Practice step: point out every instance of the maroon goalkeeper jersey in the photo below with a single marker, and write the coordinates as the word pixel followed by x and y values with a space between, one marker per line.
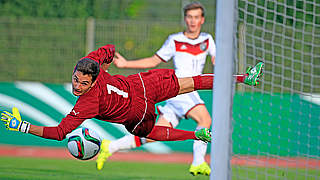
pixel 125 100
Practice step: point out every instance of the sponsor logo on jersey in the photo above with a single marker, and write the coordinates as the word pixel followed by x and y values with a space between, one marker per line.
pixel 194 49
pixel 74 112
pixel 183 47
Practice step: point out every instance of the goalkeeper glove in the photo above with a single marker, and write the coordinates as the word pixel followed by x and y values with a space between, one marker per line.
pixel 13 121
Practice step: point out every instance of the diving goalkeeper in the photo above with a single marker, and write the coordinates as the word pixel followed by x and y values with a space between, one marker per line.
pixel 125 100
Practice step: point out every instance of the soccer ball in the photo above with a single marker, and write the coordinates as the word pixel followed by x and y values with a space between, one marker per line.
pixel 83 143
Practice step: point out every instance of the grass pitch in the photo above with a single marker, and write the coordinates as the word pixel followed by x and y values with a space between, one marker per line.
pixel 66 169
pixel 53 169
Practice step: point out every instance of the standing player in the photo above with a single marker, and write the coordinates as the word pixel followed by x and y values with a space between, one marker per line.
pixel 125 100
pixel 189 50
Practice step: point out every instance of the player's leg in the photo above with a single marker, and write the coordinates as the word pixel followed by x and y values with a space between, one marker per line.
pixel 162 121
pixel 172 112
pixel 108 147
pixel 125 143
pixel 205 81
pixel 130 141
pixel 201 115
pixel 162 133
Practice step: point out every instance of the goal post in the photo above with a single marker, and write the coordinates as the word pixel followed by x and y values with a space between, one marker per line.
pixel 274 129
pixel 222 93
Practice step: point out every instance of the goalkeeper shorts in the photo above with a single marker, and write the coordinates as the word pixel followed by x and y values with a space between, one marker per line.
pixel 149 88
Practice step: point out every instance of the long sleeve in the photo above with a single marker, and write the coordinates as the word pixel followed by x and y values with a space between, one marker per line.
pixel 102 55
pixel 59 132
pixel 86 107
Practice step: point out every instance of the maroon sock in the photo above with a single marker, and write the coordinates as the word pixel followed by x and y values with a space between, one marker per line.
pixel 163 133
pixel 240 78
pixel 205 81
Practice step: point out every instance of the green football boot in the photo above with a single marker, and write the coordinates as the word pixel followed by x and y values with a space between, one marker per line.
pixel 104 154
pixel 204 135
pixel 254 74
pixel 203 169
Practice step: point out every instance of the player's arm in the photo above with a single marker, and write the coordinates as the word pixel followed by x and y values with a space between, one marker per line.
pixel 165 53
pixel 103 55
pixel 36 130
pixel 213 60
pixel 212 50
pixel 149 62
pixel 13 122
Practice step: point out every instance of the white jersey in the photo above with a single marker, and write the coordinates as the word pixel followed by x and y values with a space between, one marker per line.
pixel 189 55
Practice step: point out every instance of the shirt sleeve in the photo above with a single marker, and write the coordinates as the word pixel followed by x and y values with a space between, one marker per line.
pixel 67 124
pixel 167 50
pixel 87 107
pixel 102 55
pixel 212 47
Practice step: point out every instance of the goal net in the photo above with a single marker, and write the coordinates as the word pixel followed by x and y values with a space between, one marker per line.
pixel 276 126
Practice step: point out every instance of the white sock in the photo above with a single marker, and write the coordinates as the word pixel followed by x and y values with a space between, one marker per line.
pixel 199 151
pixel 125 143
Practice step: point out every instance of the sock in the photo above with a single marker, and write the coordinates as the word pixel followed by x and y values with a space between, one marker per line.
pixel 240 78
pixel 125 143
pixel 163 133
pixel 205 81
pixel 199 151
pixel 140 141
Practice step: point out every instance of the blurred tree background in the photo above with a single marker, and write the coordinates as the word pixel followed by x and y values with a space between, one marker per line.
pixel 42 40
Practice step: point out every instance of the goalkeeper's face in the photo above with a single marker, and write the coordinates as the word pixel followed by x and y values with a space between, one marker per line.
pixel 81 83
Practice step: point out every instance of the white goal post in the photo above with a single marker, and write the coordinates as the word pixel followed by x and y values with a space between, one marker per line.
pixel 271 131
pixel 222 96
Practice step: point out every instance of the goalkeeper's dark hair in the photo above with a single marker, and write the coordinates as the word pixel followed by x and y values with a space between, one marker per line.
pixel 193 5
pixel 88 66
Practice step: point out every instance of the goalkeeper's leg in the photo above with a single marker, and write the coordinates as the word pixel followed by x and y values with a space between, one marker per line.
pixel 161 133
pixel 125 143
pixel 205 81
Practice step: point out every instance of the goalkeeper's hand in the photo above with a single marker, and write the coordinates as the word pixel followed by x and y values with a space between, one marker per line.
pixel 13 121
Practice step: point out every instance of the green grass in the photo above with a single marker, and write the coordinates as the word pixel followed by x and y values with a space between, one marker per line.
pixel 36 168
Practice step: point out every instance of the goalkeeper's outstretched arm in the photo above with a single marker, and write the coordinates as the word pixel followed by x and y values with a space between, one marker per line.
pixel 13 122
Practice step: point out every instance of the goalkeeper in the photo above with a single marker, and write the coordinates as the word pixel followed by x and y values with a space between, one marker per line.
pixel 125 100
